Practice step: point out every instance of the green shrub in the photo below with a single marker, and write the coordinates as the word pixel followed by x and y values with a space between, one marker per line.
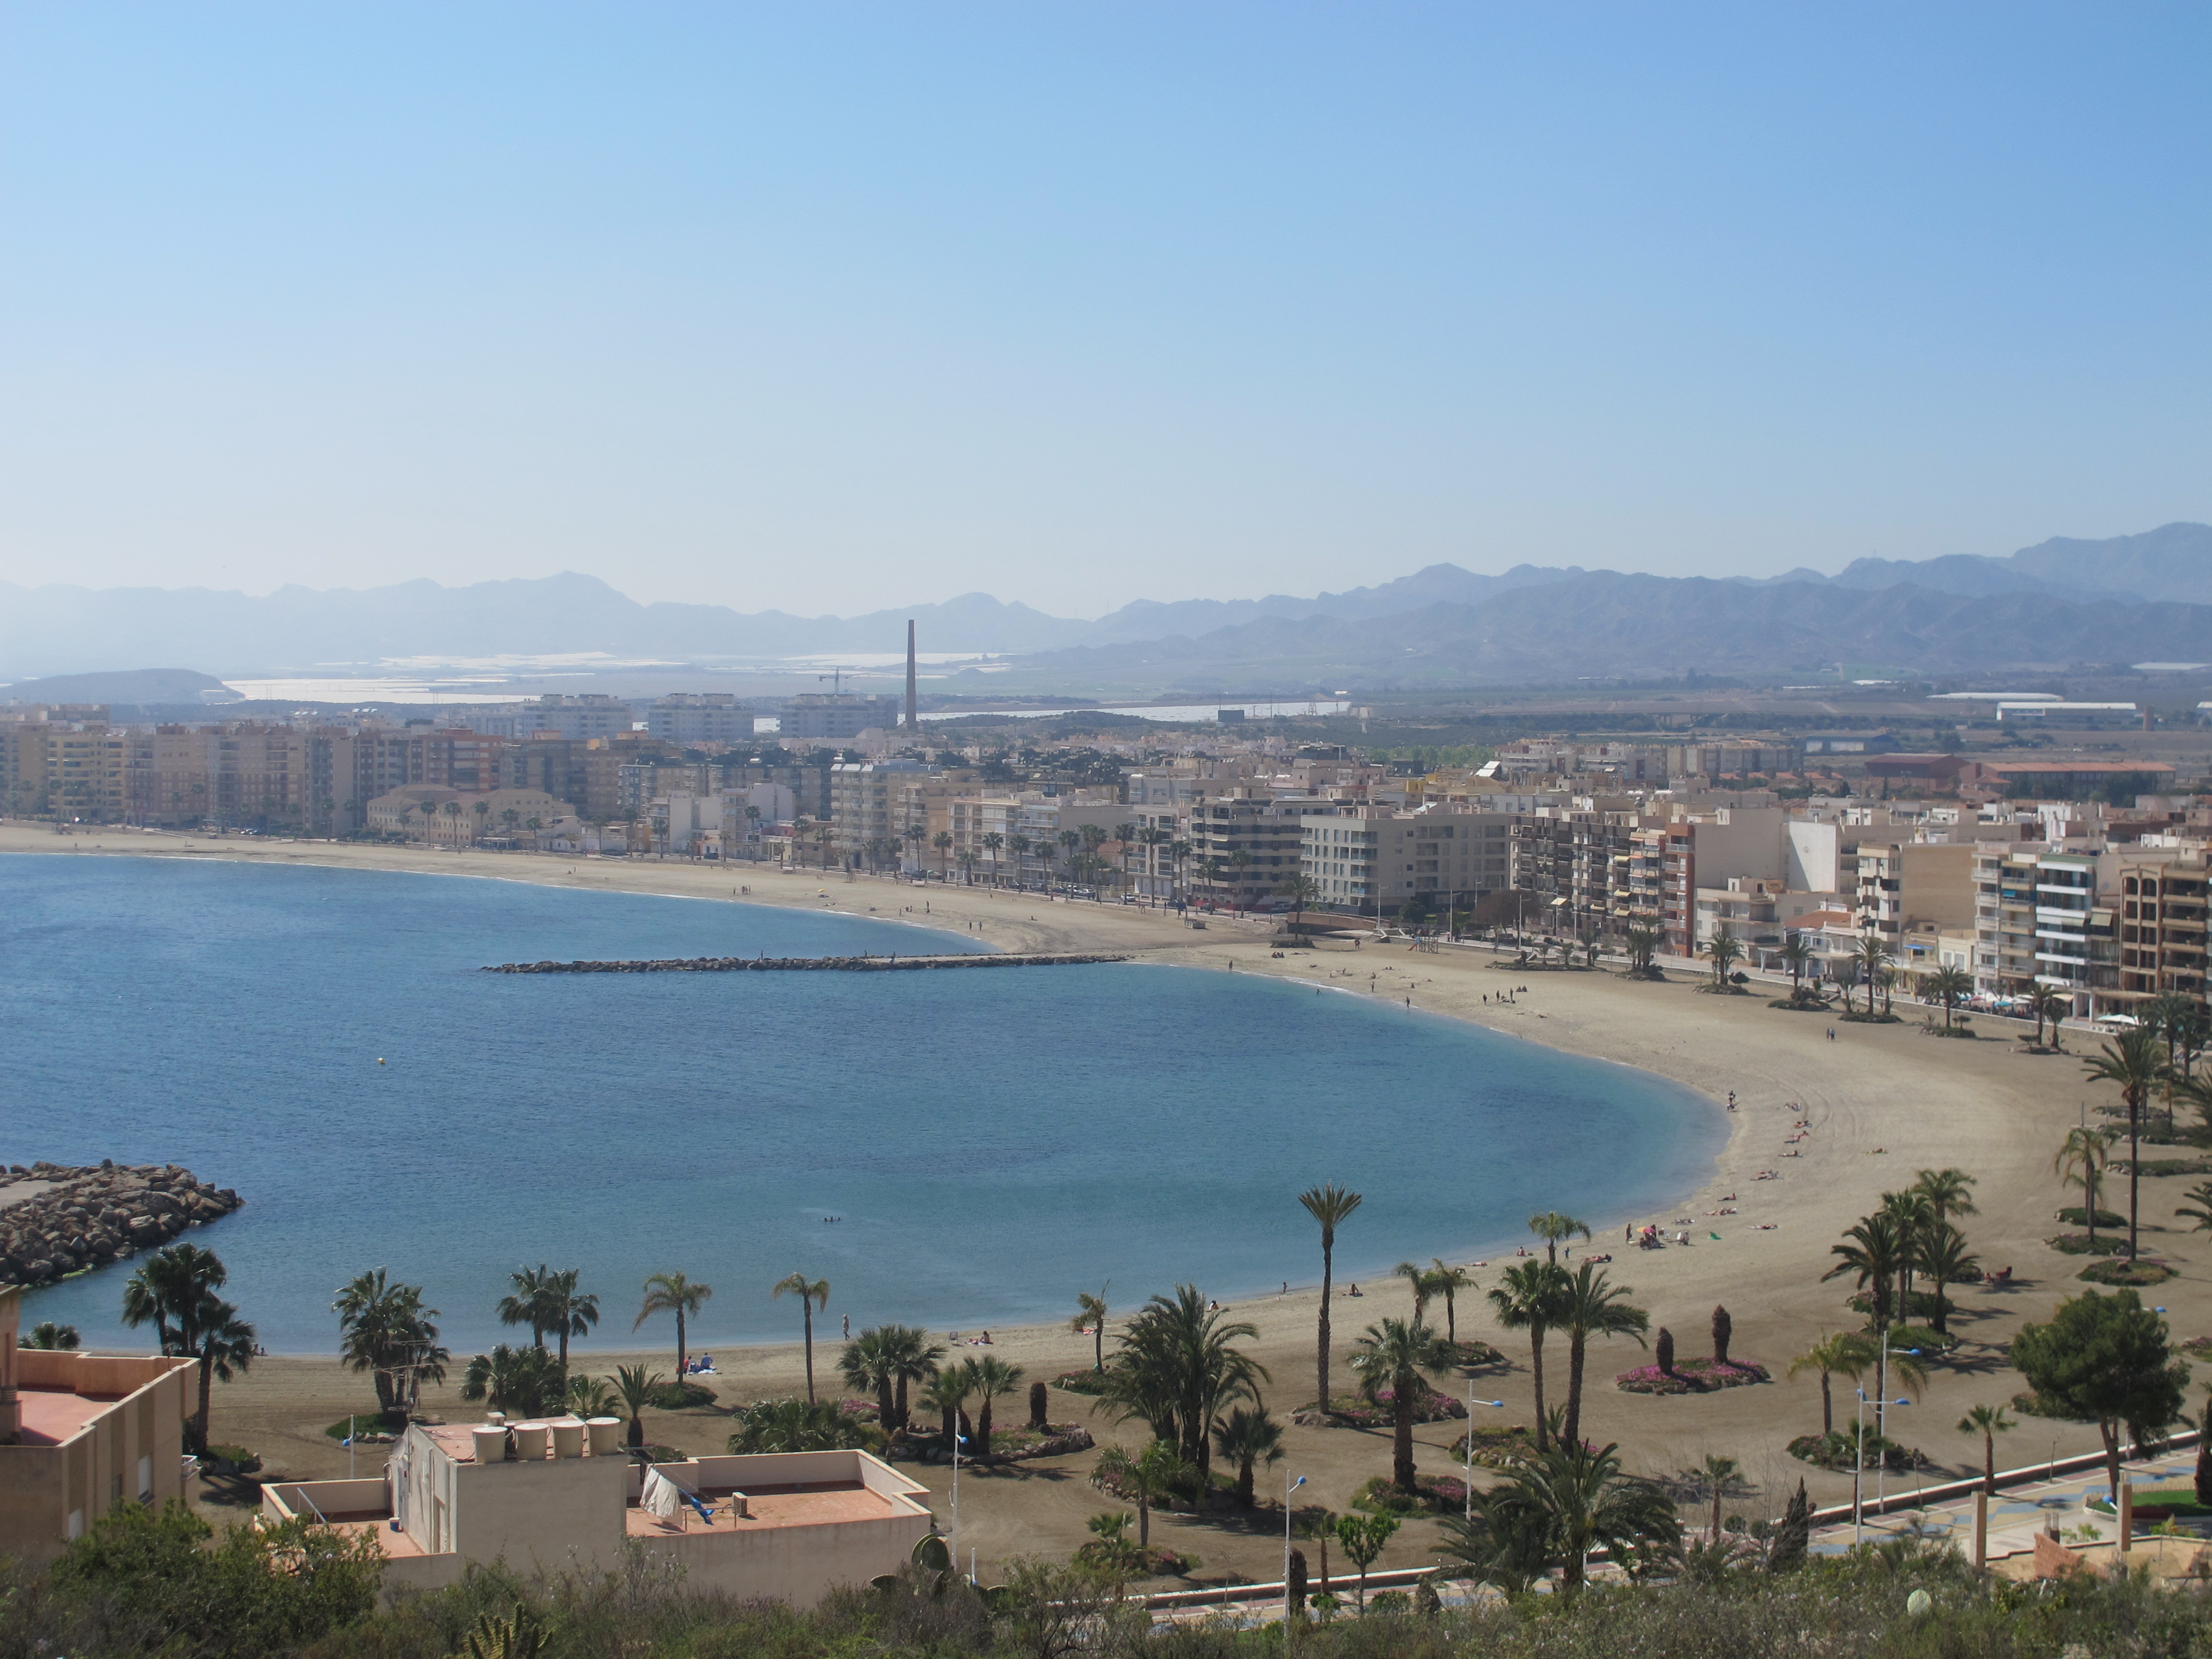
pixel 2138 1274
pixel 681 1395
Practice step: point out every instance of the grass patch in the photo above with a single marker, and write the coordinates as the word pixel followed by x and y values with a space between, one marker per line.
pixel 2078 1217
pixel 1861 1019
pixel 2138 1275
pixel 366 1423
pixel 2082 1245
pixel 1092 1384
pixel 681 1395
pixel 2163 1166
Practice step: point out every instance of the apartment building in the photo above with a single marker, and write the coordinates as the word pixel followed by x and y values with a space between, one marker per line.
pixel 77 771
pixel 834 717
pixel 1907 885
pixel 82 1434
pixel 1370 860
pixel 560 1496
pixel 580 718
pixel 691 718
pixel 2162 925
pixel 1246 843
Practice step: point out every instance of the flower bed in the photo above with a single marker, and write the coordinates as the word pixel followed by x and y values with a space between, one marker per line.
pixel 2082 1244
pixel 1010 1443
pixel 2139 1274
pixel 1475 1356
pixel 2198 1347
pixel 1352 1411
pixel 1084 1382
pixel 1495 1445
pixel 1445 1494
pixel 1838 1450
pixel 1690 1376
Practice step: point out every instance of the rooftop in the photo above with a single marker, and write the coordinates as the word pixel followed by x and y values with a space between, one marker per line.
pixel 825 1504
pixel 53 1415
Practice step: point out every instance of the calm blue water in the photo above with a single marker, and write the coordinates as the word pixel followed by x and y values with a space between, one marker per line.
pixel 994 1141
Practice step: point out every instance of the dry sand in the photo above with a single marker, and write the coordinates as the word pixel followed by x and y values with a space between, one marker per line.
pixel 1884 1103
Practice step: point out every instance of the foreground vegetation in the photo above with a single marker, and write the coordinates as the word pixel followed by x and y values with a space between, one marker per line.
pixel 144 1584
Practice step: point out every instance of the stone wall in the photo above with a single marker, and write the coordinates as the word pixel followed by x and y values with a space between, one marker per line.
pixel 55 1219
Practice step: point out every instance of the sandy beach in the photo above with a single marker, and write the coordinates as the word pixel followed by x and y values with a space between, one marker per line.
pixel 1882 1102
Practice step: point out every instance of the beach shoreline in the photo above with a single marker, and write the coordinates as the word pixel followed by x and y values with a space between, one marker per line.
pixel 1881 1103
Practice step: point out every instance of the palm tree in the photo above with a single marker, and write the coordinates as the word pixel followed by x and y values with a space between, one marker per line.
pixel 989 1377
pixel 798 1426
pixel 1642 948
pixel 2133 1063
pixel 1559 1506
pixel 1177 1367
pixel 1717 1475
pixel 2081 1159
pixel 1555 1229
pixel 2199 1207
pixel 1091 1315
pixel 1914 1217
pixel 673 1293
pixel 1420 1281
pixel 1151 1474
pixel 1872 1252
pixel 636 1388
pixel 573 1312
pixel 1944 1257
pixel 1796 956
pixel 2049 1002
pixel 383 1329
pixel 1397 1354
pixel 1950 987
pixel 992 841
pixel 1329 1205
pixel 946 1393
pixel 521 1382
pixel 813 1293
pixel 1872 958
pixel 1844 1353
pixel 1725 951
pixel 865 1365
pixel 1247 1438
pixel 529 1302
pixel 1301 890
pixel 1591 1306
pixel 912 1357
pixel 591 1396
pixel 1447 1282
pixel 53 1338
pixel 1529 1297
pixel 1949 1192
pixel 175 1292
pixel 1989 1422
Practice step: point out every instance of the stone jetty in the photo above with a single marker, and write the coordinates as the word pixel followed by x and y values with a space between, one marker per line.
pixel 55 1219
pixel 885 964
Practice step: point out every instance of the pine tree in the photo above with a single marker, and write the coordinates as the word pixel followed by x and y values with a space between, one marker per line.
pixel 1791 1537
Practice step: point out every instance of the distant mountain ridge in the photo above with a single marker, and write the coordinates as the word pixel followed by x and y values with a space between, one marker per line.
pixel 60 630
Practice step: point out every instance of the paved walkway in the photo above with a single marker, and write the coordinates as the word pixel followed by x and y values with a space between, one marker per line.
pixel 2016 1513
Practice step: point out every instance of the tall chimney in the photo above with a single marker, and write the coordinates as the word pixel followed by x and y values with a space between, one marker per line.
pixel 913 717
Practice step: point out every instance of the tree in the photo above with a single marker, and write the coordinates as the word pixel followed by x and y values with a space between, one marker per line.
pixel 1091 1315
pixel 1914 1216
pixel 946 1394
pixel 989 1378
pixel 2199 1207
pixel 1555 1229
pixel 1399 1354
pixel 1989 1422
pixel 1796 956
pixel 913 1357
pixel 2131 1062
pixel 1871 957
pixel 1111 1548
pixel 1872 1252
pixel 1529 1296
pixel 175 1292
pixel 1329 1205
pixel 1949 1192
pixel 46 1335
pixel 591 1396
pixel 1726 952
pixel 1419 1281
pixel 1717 1475
pixel 1177 1367
pixel 865 1365
pixel 383 1329
pixel 1364 1537
pixel 673 1293
pixel 1247 1438
pixel 634 1386
pixel 1786 1549
pixel 1643 950
pixel 1301 890
pixel 1149 1476
pixel 2052 1004
pixel 1944 1257
pixel 1591 1306
pixel 521 1382
pixel 1564 1501
pixel 813 1293
pixel 1844 1353
pixel 2081 1157
pixel 2104 1359
pixel 1447 1282
pixel 527 1303
pixel 801 1425
pixel 1950 987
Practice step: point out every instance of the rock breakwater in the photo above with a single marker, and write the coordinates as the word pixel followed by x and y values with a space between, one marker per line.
pixel 798 964
pixel 57 1218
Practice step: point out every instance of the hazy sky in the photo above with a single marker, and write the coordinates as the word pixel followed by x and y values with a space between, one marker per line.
pixel 826 306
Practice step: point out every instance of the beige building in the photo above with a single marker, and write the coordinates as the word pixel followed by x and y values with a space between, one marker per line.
pixel 563 1496
pixel 80 1435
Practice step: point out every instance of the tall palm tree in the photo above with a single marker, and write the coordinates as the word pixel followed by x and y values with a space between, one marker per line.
pixel 1555 1229
pixel 1398 1354
pixel 1329 1205
pixel 2132 1063
pixel 1247 1438
pixel 2081 1157
pixel 946 1394
pixel 1796 956
pixel 383 1329
pixel 1914 1216
pixel 1091 1315
pixel 913 1357
pixel 1177 1367
pixel 864 1365
pixel 1447 1282
pixel 529 1303
pixel 673 1293
pixel 573 1312
pixel 992 841
pixel 1949 1192
pixel 1420 1281
pixel 1591 1306
pixel 1559 1506
pixel 1528 1299
pixel 813 1293
pixel 1149 1476
pixel 175 1291
pixel 1950 987
pixel 1872 1251
pixel 2054 1004
pixel 1989 1422
pixel 1717 1475
pixel 1943 1257
pixel 1642 948
pixel 989 1377
pixel 1840 1353
pixel 1301 890
pixel 1726 951
pixel 1872 957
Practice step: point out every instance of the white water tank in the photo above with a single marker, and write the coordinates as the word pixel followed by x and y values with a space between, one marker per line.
pixel 490 1440
pixel 567 1438
pixel 606 1434
pixel 530 1441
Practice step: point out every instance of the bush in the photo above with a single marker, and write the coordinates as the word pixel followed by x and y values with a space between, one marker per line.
pixel 1860 1017
pixel 1838 1450
pixel 2078 1217
pixel 1358 1412
pixel 1445 1494
pixel 366 1422
pixel 2138 1274
pixel 2082 1244
pixel 1496 1444
pixel 1084 1382
pixel 681 1395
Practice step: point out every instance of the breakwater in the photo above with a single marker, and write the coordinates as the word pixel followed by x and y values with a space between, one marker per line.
pixel 55 1219
pixel 861 965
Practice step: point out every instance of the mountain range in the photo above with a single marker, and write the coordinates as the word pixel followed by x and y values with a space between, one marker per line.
pixel 2144 597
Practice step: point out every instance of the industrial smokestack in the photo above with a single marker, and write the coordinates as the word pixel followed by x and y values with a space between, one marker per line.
pixel 913 716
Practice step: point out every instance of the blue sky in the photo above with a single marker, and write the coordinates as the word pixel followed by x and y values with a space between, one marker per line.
pixel 829 306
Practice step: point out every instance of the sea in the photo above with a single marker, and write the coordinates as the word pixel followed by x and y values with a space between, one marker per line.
pixel 954 1149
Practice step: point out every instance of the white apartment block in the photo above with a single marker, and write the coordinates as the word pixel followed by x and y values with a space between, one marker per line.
pixel 1371 857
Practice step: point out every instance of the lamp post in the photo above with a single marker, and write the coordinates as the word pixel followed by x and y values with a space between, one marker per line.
pixel 956 1489
pixel 1289 1486
pixel 1472 1402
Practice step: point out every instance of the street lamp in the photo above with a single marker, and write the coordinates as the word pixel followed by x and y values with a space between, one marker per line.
pixel 1289 1487
pixel 1472 1402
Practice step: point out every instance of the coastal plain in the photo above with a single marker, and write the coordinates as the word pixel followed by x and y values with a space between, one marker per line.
pixel 1881 1103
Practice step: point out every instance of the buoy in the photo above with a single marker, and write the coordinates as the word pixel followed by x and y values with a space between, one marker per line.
pixel 380 1059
